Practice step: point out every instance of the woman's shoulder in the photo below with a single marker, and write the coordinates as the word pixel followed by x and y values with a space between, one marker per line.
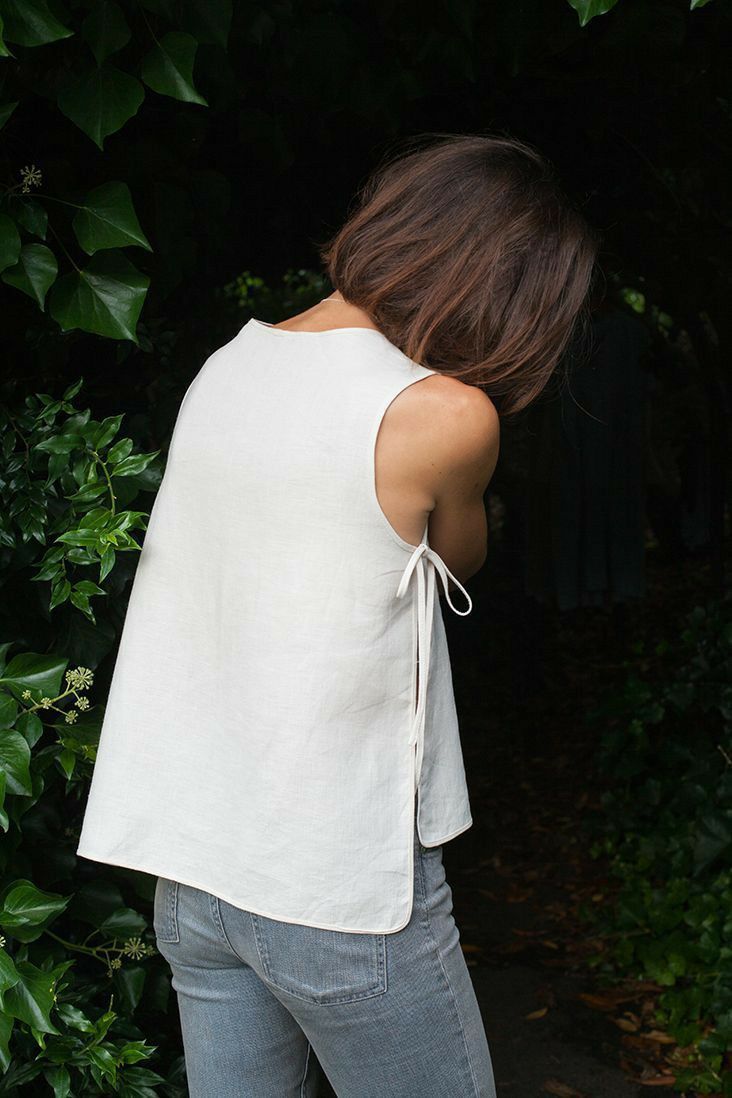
pixel 443 424
pixel 451 405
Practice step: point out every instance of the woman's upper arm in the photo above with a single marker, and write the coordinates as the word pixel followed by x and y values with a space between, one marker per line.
pixel 466 457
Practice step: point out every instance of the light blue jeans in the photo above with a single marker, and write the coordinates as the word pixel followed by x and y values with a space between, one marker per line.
pixel 387 1015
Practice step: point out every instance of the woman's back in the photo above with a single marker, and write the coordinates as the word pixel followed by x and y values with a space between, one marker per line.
pixel 260 740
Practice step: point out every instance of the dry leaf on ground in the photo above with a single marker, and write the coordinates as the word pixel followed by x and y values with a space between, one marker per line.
pixel 562 1090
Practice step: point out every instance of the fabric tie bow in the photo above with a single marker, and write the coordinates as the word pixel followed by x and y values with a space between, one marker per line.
pixel 419 562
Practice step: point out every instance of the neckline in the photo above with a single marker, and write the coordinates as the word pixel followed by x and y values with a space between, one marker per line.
pixel 324 331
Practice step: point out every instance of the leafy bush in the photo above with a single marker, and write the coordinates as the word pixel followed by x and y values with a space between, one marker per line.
pixel 588 9
pixel 80 978
pixel 94 67
pixel 666 827
pixel 81 983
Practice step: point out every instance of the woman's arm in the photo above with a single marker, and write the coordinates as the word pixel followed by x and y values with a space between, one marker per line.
pixel 463 464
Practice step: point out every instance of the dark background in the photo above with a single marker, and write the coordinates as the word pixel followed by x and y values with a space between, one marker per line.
pixel 608 515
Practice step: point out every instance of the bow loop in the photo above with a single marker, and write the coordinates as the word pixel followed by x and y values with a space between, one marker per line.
pixel 422 555
pixel 445 572
pixel 424 550
pixel 411 565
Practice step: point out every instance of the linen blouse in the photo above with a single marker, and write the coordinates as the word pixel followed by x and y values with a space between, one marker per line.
pixel 266 736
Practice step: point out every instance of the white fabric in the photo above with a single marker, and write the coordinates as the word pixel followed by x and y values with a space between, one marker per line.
pixel 425 614
pixel 265 731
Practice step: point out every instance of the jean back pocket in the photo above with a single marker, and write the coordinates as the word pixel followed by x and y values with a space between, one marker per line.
pixel 320 966
pixel 165 910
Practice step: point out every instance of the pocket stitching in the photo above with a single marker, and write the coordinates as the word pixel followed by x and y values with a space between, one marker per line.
pixel 379 988
pixel 169 922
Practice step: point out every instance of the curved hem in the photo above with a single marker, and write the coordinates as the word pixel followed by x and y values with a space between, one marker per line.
pixel 253 910
pixel 446 839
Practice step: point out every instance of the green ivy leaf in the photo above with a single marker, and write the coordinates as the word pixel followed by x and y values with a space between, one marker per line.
pixel 59 593
pixel 8 710
pixel 75 1018
pixel 52 569
pixel 8 972
pixel 713 839
pixel 6 1030
pixel 694 5
pixel 107 219
pixel 31 23
pixel 67 761
pixel 27 905
pixel 130 981
pixel 131 466
pixel 132 1051
pixel 6 109
pixel 124 923
pixel 105 30
pixel 9 242
pixel 105 298
pixel 4 820
pixel 29 214
pixel 4 649
pixel 59 1080
pixel 30 727
pixel 101 101
pixel 105 432
pixel 81 602
pixel 588 9
pixel 88 587
pixel 102 1059
pixel 88 494
pixel 34 273
pixel 120 450
pixel 31 1000
pixel 41 674
pixel 60 444
pixel 15 762
pixel 69 394
pixel 168 67
pixel 4 51
pixel 142 1081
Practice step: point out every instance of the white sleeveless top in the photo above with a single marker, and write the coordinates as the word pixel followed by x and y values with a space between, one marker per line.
pixel 265 733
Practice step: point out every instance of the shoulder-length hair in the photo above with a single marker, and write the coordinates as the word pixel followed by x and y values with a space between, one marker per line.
pixel 469 257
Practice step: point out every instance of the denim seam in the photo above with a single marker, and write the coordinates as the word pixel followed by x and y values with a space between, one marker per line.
pixel 378 989
pixel 173 911
pixel 305 1072
pixel 169 931
pixel 447 981
pixel 219 924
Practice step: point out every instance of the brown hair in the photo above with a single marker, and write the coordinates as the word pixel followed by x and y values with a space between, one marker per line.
pixel 469 257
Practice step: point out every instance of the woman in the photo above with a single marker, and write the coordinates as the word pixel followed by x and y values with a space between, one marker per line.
pixel 280 746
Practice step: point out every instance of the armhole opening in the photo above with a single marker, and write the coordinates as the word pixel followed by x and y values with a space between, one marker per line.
pixel 373 497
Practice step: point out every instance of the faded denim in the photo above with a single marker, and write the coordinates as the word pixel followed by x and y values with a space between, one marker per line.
pixel 387 1015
